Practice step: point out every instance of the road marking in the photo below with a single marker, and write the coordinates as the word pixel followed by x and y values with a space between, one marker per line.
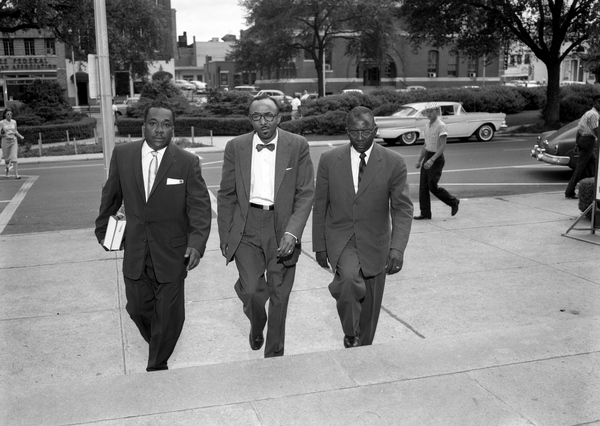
pixel 10 210
pixel 504 184
pixel 484 169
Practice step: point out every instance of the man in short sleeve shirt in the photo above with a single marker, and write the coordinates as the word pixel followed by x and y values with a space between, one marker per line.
pixel 431 162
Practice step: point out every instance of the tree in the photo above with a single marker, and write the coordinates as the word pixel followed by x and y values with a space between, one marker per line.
pixel 551 29
pixel 137 29
pixel 280 30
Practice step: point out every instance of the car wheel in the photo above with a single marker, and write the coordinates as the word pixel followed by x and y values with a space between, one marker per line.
pixel 391 141
pixel 485 133
pixel 408 138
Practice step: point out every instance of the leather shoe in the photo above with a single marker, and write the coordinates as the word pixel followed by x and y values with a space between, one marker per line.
pixel 256 342
pixel 455 207
pixel 351 341
pixel 421 217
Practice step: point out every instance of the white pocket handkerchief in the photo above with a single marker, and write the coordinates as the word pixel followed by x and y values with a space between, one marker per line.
pixel 174 181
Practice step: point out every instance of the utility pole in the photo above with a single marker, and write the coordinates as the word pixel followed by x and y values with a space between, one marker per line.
pixel 108 125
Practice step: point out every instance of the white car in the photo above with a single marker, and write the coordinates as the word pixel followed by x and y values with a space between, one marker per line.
pixel 407 125
pixel 200 85
pixel 127 103
pixel 278 95
pixel 184 85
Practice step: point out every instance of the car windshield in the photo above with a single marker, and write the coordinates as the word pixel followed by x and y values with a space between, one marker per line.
pixel 405 112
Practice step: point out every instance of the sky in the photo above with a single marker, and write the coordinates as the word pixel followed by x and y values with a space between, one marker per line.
pixel 206 19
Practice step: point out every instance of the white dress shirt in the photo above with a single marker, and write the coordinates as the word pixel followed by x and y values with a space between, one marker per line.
pixel 355 162
pixel 262 176
pixel 146 159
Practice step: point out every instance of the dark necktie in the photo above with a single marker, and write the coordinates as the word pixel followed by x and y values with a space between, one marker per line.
pixel 361 166
pixel 269 146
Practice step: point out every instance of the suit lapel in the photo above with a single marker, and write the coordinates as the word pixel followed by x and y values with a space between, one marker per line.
pixel 166 162
pixel 246 163
pixel 371 170
pixel 137 170
pixel 345 167
pixel 282 159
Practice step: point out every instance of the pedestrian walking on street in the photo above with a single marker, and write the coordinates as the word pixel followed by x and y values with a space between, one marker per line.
pixel 431 162
pixel 587 134
pixel 10 146
pixel 168 219
pixel 265 198
pixel 361 223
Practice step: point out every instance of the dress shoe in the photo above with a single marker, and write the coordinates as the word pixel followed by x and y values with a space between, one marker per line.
pixel 351 341
pixel 455 207
pixel 572 197
pixel 421 217
pixel 256 342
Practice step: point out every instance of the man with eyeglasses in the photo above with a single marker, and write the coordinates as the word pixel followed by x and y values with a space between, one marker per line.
pixel 265 198
pixel 362 217
pixel 431 162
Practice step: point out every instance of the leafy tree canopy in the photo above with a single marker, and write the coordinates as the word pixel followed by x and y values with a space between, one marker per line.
pixel 280 30
pixel 551 29
pixel 137 29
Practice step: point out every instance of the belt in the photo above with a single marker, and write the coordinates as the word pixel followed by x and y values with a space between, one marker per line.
pixel 260 206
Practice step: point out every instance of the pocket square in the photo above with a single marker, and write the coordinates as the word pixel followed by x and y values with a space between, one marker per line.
pixel 174 181
pixel 289 168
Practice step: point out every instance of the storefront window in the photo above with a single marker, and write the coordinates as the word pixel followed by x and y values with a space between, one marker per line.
pixel 29 46
pixel 9 48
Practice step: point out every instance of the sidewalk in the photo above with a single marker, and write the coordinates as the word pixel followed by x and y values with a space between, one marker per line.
pixel 494 320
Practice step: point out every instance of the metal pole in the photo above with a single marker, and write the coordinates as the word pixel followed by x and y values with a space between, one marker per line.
pixel 108 125
pixel 74 77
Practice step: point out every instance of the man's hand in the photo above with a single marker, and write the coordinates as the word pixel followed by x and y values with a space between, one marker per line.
pixel 192 258
pixel 394 262
pixel 322 259
pixel 428 164
pixel 224 249
pixel 286 246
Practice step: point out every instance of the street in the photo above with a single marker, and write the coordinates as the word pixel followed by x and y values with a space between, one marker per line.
pixel 63 196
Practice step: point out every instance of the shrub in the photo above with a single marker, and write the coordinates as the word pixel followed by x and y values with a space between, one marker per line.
pixel 222 126
pixel 587 195
pixel 82 129
pixel 576 99
pixel 224 103
pixel 535 97
pixel 45 94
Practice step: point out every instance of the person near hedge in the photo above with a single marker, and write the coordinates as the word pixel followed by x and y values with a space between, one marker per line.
pixel 296 102
pixel 10 147
pixel 587 131
pixel 431 162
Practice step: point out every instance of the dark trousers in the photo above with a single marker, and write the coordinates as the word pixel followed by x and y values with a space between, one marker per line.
pixel 262 277
pixel 586 163
pixel 429 183
pixel 358 297
pixel 158 311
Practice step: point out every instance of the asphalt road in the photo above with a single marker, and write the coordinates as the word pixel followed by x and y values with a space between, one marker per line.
pixel 59 196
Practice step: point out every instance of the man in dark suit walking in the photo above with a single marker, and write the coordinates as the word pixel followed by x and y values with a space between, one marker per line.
pixel 168 215
pixel 360 188
pixel 263 204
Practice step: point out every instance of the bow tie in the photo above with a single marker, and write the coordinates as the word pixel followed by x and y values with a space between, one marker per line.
pixel 269 146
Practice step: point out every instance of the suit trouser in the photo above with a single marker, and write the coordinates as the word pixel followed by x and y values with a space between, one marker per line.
pixel 429 179
pixel 358 297
pixel 256 257
pixel 158 311
pixel 586 163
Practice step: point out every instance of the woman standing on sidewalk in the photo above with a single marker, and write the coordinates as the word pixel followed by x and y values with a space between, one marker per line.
pixel 10 147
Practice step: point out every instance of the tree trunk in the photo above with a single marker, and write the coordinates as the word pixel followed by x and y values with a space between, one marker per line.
pixel 319 69
pixel 552 110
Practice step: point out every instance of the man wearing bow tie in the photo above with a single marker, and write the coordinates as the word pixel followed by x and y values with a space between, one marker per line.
pixel 264 201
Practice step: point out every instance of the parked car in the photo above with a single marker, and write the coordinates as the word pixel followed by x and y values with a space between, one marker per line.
pixel 185 85
pixel 558 146
pixel 200 85
pixel 358 91
pixel 407 125
pixel 278 95
pixel 253 90
pixel 411 88
pixel 127 103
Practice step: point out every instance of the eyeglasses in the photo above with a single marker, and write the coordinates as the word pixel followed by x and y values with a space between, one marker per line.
pixel 269 116
pixel 359 134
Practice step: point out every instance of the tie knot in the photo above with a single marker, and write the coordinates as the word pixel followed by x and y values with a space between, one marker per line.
pixel 269 146
pixel 154 153
pixel 362 155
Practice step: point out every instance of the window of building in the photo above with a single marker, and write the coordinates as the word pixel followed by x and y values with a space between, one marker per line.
pixel 527 59
pixel 453 63
pixel 9 47
pixel 472 67
pixel 50 47
pixel 432 63
pixel 29 46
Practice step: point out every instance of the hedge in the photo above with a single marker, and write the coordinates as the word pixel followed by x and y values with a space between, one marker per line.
pixel 82 129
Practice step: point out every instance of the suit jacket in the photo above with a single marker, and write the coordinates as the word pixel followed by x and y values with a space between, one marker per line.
pixel 174 217
pixel 379 214
pixel 294 190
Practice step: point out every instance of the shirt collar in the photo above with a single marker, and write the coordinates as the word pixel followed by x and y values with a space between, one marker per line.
pixel 367 152
pixel 147 150
pixel 256 139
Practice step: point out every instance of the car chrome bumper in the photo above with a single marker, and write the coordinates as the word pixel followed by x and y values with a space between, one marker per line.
pixel 539 154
